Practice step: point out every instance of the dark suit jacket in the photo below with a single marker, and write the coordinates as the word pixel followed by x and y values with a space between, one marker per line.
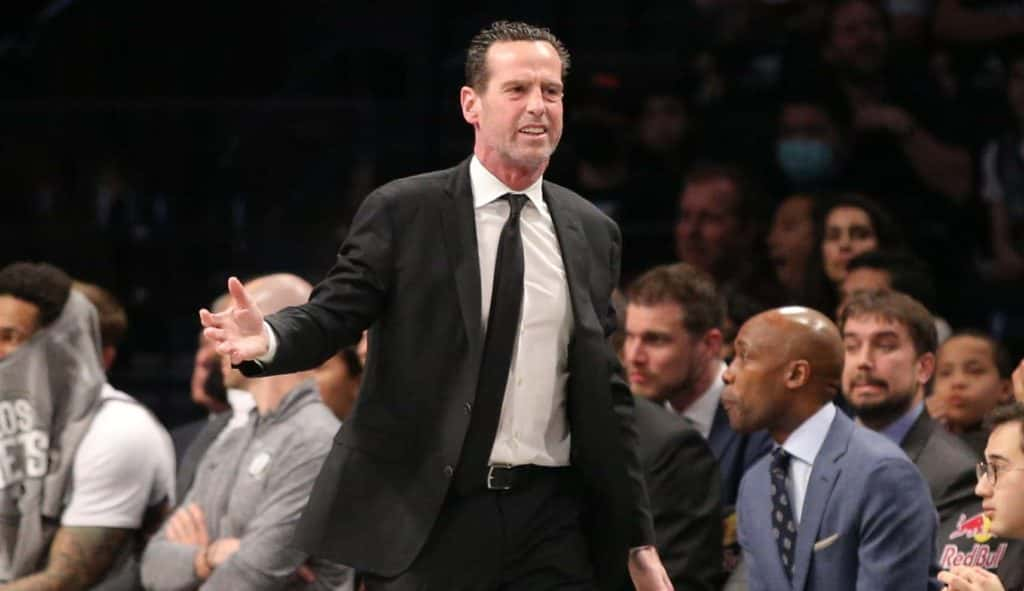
pixel 946 463
pixel 735 453
pixel 867 521
pixel 409 268
pixel 682 482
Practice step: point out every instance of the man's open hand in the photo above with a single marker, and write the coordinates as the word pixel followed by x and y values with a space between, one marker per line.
pixel 238 331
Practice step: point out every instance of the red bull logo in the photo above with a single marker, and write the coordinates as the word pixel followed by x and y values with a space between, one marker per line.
pixel 977 527
pixel 980 555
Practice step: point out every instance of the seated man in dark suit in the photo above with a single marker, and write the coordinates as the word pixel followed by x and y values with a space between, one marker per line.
pixel 890 341
pixel 835 506
pixel 680 473
pixel 672 353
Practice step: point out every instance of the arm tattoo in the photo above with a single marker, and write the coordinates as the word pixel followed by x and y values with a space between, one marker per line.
pixel 79 558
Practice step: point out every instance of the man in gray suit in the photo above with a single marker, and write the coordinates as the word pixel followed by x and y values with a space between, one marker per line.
pixel 834 506
pixel 890 342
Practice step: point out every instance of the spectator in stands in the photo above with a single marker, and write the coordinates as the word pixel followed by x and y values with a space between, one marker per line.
pixel 850 225
pixel 73 519
pixel 972 378
pixel 898 271
pixel 721 211
pixel 834 507
pixel 811 148
pixel 672 357
pixel 890 344
pixel 1001 487
pixel 903 134
pixel 234 526
pixel 791 244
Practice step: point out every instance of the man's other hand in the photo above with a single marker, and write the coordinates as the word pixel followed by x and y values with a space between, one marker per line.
pixel 238 331
pixel 646 570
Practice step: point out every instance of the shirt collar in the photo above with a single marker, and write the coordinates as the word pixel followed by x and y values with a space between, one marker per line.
pixel 702 411
pixel 805 442
pixel 899 428
pixel 241 402
pixel 487 187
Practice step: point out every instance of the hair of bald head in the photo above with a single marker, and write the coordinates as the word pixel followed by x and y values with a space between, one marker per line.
pixel 273 293
pixel 812 336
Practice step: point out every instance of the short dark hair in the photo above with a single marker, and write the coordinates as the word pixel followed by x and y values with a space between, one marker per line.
pixel 907 273
pixel 113 319
pixel 683 284
pixel 896 307
pixel 1012 412
pixel 1000 355
pixel 40 284
pixel 476 55
pixel 751 203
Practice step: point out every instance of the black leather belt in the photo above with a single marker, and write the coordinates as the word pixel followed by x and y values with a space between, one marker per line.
pixel 504 477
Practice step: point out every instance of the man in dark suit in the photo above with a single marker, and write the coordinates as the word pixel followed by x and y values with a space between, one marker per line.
pixel 890 342
pixel 672 354
pixel 835 506
pixel 680 473
pixel 492 444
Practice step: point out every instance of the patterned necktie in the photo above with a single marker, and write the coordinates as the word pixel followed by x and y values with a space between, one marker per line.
pixel 783 526
pixel 502 324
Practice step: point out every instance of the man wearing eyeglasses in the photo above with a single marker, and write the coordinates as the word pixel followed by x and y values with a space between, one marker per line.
pixel 1001 488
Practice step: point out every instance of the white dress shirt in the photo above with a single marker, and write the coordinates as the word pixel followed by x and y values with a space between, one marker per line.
pixel 533 428
pixel 701 412
pixel 803 446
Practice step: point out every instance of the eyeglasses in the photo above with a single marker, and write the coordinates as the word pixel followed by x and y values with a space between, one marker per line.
pixel 983 469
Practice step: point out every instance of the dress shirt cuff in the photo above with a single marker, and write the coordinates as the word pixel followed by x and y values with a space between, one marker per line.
pixel 271 344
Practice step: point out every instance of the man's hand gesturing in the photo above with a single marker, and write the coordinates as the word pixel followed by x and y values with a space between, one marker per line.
pixel 238 331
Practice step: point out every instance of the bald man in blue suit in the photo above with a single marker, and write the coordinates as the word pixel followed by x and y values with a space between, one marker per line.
pixel 835 506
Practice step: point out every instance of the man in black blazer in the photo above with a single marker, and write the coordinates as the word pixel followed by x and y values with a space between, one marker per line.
pixel 492 444
pixel 890 342
pixel 681 475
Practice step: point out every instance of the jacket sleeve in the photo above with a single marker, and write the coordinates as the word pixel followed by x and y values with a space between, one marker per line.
pixel 168 566
pixel 898 524
pixel 346 302
pixel 686 501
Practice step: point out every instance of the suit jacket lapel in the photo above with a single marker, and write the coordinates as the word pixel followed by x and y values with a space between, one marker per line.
pixel 819 488
pixel 573 245
pixel 459 224
pixel 721 437
pixel 917 437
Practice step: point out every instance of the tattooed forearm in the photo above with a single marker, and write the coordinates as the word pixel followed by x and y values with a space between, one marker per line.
pixel 79 558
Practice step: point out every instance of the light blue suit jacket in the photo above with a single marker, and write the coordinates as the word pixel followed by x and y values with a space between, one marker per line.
pixel 868 522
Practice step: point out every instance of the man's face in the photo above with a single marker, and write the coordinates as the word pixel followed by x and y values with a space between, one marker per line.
pixel 19 320
pixel 662 358
pixel 708 233
pixel 967 381
pixel 859 39
pixel 518 114
pixel 883 376
pixel 755 396
pixel 862 279
pixel 663 123
pixel 1003 502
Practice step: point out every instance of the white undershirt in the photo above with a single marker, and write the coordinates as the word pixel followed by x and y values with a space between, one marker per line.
pixel 533 428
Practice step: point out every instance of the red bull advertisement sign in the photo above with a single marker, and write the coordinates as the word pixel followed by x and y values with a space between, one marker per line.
pixel 972 543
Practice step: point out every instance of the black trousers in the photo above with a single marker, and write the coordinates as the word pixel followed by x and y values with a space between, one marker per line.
pixel 528 538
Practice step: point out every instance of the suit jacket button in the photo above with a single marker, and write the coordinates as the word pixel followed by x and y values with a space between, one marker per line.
pixel 449 471
pixel 468 407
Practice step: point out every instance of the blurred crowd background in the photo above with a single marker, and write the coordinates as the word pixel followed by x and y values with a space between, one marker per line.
pixel 156 149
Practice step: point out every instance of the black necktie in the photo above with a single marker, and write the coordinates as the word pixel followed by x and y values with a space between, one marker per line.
pixel 783 526
pixel 502 322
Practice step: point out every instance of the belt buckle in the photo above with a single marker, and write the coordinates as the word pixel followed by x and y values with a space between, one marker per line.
pixel 490 477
